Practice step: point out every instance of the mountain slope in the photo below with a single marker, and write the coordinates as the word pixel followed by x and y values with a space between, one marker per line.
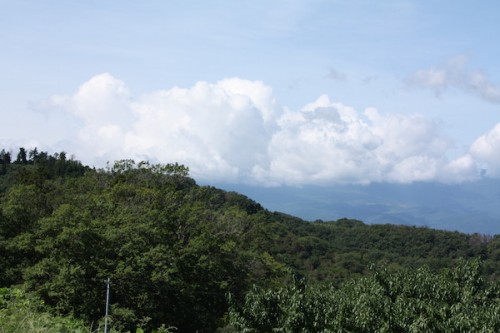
pixel 469 207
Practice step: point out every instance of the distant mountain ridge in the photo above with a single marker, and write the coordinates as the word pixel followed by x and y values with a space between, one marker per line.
pixel 469 207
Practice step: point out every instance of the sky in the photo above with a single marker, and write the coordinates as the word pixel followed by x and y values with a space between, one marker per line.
pixel 269 93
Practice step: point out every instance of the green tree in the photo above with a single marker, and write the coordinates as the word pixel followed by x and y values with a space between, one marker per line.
pixel 22 156
pixel 455 300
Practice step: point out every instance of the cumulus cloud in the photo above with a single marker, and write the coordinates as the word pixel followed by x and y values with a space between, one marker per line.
pixel 455 74
pixel 220 129
pixel 103 105
pixel 234 130
pixel 485 150
pixel 329 142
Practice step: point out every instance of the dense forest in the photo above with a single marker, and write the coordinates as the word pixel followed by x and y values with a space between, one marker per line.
pixel 188 258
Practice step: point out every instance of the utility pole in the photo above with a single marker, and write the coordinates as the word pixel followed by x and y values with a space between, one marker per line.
pixel 107 306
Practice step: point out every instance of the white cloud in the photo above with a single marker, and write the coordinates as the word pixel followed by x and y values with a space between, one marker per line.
pixel 455 74
pixel 101 100
pixel 331 143
pixel 463 168
pixel 220 130
pixel 486 150
pixel 233 130
pixel 323 142
pixel 434 79
pixel 479 83
pixel 103 104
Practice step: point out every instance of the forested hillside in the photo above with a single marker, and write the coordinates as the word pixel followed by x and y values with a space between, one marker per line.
pixel 201 259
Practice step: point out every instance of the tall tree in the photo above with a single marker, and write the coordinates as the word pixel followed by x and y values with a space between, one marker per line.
pixel 5 157
pixel 33 155
pixel 22 156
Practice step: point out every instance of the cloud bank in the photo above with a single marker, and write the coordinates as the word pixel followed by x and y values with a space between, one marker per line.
pixel 234 130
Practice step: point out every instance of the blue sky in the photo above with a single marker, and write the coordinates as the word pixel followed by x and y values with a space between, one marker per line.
pixel 259 92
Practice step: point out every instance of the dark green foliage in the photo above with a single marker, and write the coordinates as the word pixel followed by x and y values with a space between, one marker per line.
pixel 4 161
pixel 174 250
pixel 21 156
pixel 5 157
pixel 171 254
